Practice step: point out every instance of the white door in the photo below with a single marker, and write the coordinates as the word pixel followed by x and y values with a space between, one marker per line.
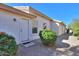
pixel 24 30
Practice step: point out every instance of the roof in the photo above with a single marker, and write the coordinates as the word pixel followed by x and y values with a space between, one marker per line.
pixel 60 22
pixel 40 13
pixel 32 10
pixel 15 11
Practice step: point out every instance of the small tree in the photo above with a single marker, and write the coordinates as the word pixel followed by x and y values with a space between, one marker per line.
pixel 75 27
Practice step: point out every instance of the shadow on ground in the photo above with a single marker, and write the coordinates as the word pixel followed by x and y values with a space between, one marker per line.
pixel 73 51
pixel 59 40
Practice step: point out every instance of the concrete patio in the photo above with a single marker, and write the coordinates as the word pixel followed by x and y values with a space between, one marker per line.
pixel 62 48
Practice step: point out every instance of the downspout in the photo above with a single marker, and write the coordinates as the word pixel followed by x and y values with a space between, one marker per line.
pixel 19 31
pixel 28 29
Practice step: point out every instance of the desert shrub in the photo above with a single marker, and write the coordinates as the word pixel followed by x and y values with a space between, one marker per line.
pixel 48 37
pixel 7 45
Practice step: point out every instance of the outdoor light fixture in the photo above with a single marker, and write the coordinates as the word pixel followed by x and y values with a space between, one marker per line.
pixel 14 19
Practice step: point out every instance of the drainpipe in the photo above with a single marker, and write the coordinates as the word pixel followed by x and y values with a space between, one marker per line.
pixel 28 29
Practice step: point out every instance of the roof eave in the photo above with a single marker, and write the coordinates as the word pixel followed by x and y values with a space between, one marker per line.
pixel 14 10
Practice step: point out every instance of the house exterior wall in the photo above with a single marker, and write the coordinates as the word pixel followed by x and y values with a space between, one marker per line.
pixel 61 29
pixel 15 28
pixel 30 30
pixel 64 29
pixel 55 27
pixel 39 21
pixel 6 25
pixel 36 22
pixel 58 28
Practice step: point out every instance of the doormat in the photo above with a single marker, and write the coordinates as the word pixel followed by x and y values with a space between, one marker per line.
pixel 28 44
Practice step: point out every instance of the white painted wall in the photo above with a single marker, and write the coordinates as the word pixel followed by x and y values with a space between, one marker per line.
pixel 58 28
pixel 21 29
pixel 40 20
pixel 62 29
pixel 9 26
pixel 55 27
pixel 30 30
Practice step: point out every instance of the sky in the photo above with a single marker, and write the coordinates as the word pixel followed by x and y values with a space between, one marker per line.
pixel 65 12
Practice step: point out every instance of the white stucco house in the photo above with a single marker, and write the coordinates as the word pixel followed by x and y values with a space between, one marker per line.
pixel 24 23
pixel 16 23
pixel 41 19
pixel 38 22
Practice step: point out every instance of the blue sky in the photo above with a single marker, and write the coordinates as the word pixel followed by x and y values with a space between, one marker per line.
pixel 61 11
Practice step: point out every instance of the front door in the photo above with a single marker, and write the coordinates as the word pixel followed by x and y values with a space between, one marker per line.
pixel 24 33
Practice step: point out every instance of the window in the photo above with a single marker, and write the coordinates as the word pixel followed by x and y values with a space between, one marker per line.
pixel 34 26
pixel 34 30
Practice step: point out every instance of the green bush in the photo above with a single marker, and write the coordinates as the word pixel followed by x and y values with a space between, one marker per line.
pixel 76 32
pixel 7 45
pixel 48 37
pixel 74 25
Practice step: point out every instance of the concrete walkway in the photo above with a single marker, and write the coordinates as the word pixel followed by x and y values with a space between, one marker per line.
pixel 68 45
pixel 64 48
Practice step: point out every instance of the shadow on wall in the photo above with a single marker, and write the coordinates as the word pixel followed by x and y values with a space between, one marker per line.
pixel 59 40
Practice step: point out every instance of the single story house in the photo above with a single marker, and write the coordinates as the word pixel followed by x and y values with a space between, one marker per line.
pixel 39 22
pixel 42 20
pixel 16 23
pixel 25 23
